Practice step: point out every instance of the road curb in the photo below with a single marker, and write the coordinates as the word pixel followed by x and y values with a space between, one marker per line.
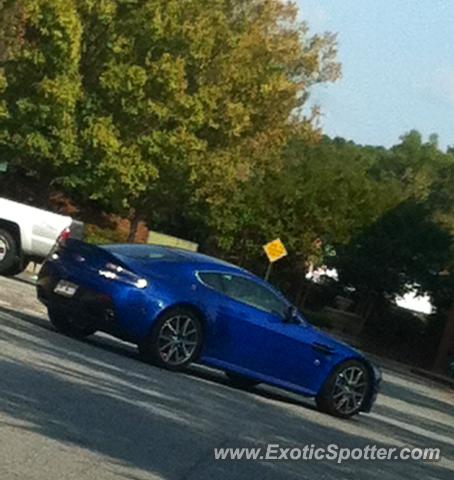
pixel 399 367
pixel 405 369
pixel 436 377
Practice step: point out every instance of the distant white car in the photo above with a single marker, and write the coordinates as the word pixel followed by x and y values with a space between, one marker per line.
pixel 29 233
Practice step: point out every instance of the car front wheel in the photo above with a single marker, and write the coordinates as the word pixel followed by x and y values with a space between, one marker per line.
pixel 346 390
pixel 176 340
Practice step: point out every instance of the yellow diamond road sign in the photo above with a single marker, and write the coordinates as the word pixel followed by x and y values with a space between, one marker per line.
pixel 275 250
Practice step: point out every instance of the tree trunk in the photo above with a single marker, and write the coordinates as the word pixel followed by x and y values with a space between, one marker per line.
pixel 134 220
pixel 305 296
pixel 361 304
pixel 372 301
pixel 446 346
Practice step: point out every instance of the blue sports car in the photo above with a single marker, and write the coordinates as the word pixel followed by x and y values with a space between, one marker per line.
pixel 181 307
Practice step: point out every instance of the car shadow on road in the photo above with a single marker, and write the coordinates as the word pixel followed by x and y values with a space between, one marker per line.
pixel 149 421
pixel 122 348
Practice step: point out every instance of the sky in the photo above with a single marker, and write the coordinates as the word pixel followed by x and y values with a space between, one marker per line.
pixel 398 68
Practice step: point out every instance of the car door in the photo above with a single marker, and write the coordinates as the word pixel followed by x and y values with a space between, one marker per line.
pixel 250 333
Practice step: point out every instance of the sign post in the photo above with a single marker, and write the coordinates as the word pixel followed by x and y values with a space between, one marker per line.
pixel 274 250
pixel 268 270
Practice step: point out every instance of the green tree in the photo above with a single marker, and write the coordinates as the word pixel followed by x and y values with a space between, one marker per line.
pixel 323 195
pixel 11 37
pixel 403 250
pixel 410 245
pixel 41 90
pixel 148 106
pixel 11 16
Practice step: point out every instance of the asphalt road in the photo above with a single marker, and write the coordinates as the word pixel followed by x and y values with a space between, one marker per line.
pixel 92 410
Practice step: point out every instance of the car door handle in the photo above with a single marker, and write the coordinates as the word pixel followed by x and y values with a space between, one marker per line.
pixel 322 348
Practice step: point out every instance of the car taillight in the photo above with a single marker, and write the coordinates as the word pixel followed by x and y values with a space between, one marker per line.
pixel 117 273
pixel 64 235
pixel 60 242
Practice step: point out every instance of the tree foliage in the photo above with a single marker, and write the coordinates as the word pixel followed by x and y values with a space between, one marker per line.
pixel 41 90
pixel 137 103
pixel 409 247
pixel 403 250
pixel 11 26
pixel 193 114
pixel 323 195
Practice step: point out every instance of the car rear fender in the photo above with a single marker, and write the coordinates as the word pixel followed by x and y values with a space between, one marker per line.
pixel 190 307
pixel 92 257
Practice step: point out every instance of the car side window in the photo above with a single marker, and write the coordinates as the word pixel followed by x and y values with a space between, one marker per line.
pixel 213 280
pixel 244 290
pixel 254 294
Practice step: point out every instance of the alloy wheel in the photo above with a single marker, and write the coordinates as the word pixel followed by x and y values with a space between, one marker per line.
pixel 177 340
pixel 350 389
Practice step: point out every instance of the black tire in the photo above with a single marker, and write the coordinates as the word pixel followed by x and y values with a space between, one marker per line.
pixel 68 325
pixel 240 381
pixel 165 348
pixel 9 258
pixel 17 268
pixel 337 388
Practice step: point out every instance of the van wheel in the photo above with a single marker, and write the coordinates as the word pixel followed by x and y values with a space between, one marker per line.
pixel 8 253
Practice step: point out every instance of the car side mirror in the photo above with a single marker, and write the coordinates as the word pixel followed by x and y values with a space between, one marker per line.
pixel 290 314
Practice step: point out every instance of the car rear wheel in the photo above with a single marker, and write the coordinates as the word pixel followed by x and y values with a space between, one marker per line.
pixel 176 340
pixel 69 325
pixel 240 381
pixel 346 390
pixel 8 253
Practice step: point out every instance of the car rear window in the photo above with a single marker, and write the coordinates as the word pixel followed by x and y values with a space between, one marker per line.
pixel 141 252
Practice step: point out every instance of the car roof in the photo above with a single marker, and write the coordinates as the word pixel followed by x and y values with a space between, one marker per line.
pixel 156 253
pixel 195 261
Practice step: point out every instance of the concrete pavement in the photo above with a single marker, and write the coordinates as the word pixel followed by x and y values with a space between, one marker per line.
pixel 92 410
